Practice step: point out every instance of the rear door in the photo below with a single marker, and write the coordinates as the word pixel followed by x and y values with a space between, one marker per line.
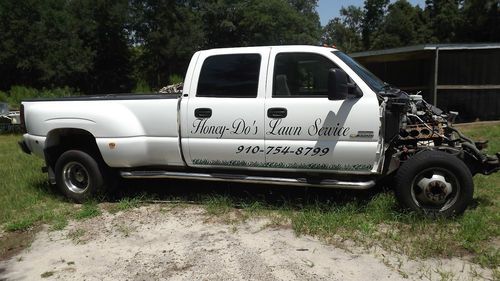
pixel 304 130
pixel 225 110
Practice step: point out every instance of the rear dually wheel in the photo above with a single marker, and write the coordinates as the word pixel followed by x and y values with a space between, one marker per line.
pixel 78 175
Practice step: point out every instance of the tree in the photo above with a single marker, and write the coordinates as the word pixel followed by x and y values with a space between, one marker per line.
pixel 345 32
pixel 56 43
pixel 165 35
pixel 445 19
pixel 374 15
pixel 481 21
pixel 311 25
pixel 102 25
pixel 402 26
pixel 38 45
pixel 221 20
pixel 271 22
pixel 259 22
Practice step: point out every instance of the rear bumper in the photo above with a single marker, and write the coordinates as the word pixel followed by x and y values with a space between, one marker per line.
pixel 24 147
pixel 33 145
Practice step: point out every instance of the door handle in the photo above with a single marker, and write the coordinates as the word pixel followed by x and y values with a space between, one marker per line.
pixel 276 112
pixel 203 112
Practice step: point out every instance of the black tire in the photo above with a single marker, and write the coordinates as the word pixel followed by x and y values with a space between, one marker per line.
pixel 79 176
pixel 434 183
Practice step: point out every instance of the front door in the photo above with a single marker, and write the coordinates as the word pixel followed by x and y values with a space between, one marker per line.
pixel 304 130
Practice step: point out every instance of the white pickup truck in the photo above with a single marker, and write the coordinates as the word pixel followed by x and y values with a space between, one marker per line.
pixel 289 115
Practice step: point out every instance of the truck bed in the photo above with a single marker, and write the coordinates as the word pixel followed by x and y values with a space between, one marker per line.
pixel 130 130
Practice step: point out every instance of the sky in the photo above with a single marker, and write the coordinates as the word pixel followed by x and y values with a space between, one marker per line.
pixel 329 9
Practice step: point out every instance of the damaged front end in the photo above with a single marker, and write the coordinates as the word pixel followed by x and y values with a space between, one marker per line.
pixel 412 125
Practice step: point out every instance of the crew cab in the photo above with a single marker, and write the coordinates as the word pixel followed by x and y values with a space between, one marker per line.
pixel 288 115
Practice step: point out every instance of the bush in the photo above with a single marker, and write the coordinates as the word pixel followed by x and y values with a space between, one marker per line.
pixel 20 93
pixel 175 79
pixel 142 87
pixel 17 94
pixel 57 93
pixel 4 97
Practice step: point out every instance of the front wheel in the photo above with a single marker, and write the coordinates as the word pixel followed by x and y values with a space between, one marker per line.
pixel 78 175
pixel 435 183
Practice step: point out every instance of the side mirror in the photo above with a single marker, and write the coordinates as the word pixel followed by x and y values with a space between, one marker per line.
pixel 339 87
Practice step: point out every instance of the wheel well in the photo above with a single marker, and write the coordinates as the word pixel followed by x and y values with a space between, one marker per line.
pixel 393 161
pixel 61 140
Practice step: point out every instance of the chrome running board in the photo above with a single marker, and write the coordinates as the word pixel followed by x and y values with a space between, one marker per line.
pixel 328 183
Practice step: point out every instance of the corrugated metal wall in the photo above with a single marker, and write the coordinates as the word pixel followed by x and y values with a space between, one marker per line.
pixel 471 104
pixel 469 67
pixel 474 67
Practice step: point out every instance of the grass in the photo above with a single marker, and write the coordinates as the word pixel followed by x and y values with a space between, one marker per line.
pixel 25 196
pixel 484 132
pixel 88 210
pixel 218 204
pixel 126 203
pixel 372 219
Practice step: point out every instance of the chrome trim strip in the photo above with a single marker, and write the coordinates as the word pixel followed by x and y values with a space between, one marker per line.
pixel 328 183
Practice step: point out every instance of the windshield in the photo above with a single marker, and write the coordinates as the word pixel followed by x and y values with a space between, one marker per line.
pixel 373 81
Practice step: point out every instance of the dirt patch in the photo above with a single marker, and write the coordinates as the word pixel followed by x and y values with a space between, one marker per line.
pixel 12 243
pixel 153 243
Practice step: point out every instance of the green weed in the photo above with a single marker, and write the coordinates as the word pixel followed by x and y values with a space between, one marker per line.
pixel 218 204
pixel 20 225
pixel 88 210
pixel 126 203
pixel 59 223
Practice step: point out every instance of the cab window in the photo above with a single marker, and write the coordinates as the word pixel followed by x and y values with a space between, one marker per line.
pixel 234 75
pixel 301 75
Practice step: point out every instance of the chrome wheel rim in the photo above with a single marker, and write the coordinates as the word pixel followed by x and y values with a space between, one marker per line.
pixel 435 189
pixel 76 177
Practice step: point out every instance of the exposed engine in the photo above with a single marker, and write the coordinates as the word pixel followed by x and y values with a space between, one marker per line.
pixel 424 123
pixel 413 125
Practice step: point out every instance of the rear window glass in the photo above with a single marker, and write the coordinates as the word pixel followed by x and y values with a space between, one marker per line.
pixel 235 75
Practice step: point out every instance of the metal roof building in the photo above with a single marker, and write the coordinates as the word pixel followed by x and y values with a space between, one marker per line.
pixel 457 77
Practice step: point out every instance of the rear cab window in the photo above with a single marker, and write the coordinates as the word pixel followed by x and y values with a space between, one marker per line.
pixel 231 75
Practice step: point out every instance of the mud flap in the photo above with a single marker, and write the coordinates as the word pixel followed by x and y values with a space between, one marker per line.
pixel 491 165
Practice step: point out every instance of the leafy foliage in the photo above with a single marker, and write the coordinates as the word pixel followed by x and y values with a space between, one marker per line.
pixel 38 46
pixel 345 32
pixel 16 94
pixel 104 46
pixel 374 16
pixel 102 26
pixel 381 24
pixel 404 25
pixel 165 35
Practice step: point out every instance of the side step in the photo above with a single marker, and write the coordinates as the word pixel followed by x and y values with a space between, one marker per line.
pixel 328 183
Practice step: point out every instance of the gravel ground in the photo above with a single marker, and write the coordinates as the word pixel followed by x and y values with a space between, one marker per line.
pixel 185 243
